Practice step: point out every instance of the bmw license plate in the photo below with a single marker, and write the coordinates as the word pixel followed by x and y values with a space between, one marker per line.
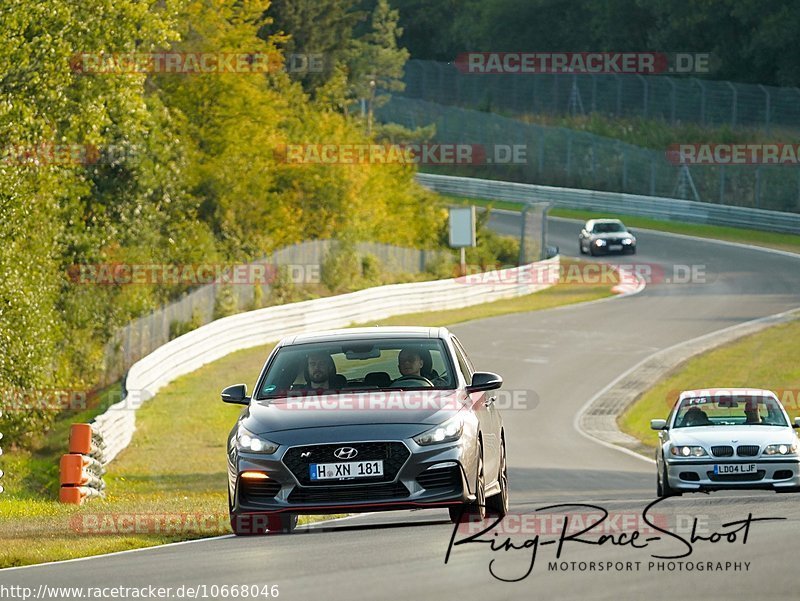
pixel 735 468
pixel 615 247
pixel 347 469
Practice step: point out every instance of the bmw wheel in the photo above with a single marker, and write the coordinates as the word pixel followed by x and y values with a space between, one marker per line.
pixel 663 489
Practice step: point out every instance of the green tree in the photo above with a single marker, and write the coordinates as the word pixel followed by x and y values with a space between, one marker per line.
pixel 314 27
pixel 376 62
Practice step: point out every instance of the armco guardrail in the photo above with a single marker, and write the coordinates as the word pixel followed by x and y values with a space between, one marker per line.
pixel 254 328
pixel 655 207
pixel 81 470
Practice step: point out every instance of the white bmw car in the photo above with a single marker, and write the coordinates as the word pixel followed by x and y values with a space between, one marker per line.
pixel 727 439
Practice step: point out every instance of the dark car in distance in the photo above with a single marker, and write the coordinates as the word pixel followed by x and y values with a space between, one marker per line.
pixel 366 419
pixel 604 236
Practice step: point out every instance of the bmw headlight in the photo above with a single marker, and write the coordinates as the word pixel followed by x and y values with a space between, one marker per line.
pixel 688 451
pixel 600 242
pixel 627 241
pixel 445 432
pixel 781 449
pixel 250 443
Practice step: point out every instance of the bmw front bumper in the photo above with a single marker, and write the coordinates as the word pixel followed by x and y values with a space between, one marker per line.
pixel 774 474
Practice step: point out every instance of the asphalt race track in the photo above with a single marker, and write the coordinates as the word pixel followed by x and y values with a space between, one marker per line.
pixel 558 360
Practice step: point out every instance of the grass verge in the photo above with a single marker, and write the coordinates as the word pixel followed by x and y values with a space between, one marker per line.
pixel 767 359
pixel 788 242
pixel 172 476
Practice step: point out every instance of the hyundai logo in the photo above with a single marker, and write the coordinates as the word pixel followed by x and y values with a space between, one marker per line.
pixel 345 453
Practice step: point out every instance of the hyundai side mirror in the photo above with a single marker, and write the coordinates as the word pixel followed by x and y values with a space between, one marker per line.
pixel 236 394
pixel 658 424
pixel 484 380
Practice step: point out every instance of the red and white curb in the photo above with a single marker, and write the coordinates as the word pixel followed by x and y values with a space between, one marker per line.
pixel 630 282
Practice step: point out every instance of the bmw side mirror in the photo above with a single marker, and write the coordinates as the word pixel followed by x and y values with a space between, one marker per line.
pixel 796 423
pixel 484 380
pixel 236 394
pixel 658 424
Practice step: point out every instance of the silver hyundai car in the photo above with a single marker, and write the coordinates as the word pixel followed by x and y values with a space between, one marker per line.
pixel 365 419
pixel 726 439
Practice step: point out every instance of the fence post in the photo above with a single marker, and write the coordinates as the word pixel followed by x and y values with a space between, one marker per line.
pixel 619 94
pixel 733 103
pixel 722 184
pixel 569 153
pixel 652 177
pixel 758 187
pixel 624 169
pixel 766 107
pixel 702 101
pixel 440 79
pixel 672 102
pixel 645 95
pixel 541 152
pixel 594 92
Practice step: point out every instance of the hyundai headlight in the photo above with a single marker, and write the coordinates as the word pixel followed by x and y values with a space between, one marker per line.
pixel 445 432
pixel 600 242
pixel 250 443
pixel 688 451
pixel 781 449
pixel 627 241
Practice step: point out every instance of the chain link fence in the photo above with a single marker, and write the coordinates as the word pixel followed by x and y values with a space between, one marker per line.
pixel 672 99
pixel 557 156
pixel 200 306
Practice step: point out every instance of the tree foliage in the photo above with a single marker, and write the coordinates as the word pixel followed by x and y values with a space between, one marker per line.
pixel 195 175
pixel 751 40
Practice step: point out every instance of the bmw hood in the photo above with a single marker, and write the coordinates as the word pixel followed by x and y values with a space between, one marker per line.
pixel 733 435
pixel 422 407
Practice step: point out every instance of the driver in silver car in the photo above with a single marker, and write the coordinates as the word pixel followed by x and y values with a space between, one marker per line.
pixel 409 362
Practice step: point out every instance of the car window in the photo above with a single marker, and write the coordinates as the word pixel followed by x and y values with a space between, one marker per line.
pixel 358 364
pixel 463 360
pixel 729 410
pixel 608 228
